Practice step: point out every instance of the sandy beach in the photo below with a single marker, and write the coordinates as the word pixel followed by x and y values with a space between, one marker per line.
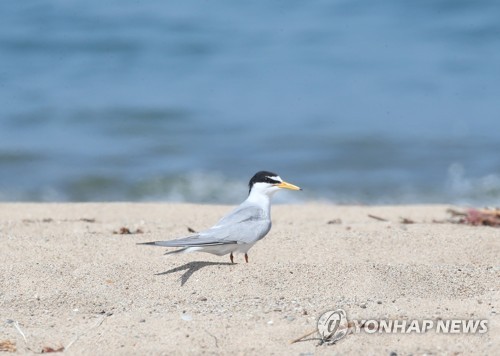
pixel 69 280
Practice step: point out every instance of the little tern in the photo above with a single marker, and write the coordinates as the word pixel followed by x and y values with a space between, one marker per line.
pixel 239 230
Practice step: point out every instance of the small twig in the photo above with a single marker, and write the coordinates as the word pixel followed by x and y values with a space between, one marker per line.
pixel 350 326
pixel 18 328
pixel 215 338
pixel 96 325
pixel 303 336
pixel 377 217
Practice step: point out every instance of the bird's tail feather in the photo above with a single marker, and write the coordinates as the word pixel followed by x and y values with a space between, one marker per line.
pixel 155 243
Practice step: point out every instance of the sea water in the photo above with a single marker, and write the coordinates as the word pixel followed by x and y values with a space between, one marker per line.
pixel 356 101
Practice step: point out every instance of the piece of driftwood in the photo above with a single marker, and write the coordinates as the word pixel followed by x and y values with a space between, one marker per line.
pixel 377 217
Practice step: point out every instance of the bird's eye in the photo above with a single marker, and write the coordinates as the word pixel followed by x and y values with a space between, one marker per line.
pixel 271 180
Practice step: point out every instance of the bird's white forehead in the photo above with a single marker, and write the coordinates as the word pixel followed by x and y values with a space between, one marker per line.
pixel 278 178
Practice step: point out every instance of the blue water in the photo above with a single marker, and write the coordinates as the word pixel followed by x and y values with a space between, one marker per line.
pixel 357 101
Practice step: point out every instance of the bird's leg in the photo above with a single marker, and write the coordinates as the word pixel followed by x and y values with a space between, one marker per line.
pixel 231 257
pixel 246 258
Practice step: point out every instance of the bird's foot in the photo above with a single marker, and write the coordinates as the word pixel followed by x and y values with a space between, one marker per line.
pixel 231 257
pixel 246 258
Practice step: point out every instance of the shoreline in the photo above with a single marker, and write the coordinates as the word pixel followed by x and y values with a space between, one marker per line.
pixel 68 279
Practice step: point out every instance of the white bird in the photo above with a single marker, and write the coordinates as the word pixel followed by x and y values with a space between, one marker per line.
pixel 239 230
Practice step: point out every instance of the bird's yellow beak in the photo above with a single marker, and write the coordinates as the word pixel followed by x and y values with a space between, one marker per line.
pixel 288 186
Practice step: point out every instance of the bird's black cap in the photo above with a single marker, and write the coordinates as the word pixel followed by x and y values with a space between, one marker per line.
pixel 263 177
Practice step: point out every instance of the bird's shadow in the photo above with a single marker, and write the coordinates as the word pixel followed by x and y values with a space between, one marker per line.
pixel 191 268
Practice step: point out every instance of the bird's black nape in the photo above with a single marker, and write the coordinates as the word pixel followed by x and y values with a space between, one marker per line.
pixel 263 177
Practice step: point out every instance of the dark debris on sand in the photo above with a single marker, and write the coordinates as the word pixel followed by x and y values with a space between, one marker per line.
pixel 476 217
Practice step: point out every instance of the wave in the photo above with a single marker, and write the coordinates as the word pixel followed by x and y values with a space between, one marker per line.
pixel 462 189
pixel 217 188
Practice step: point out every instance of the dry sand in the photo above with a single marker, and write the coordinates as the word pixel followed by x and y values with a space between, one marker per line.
pixel 68 281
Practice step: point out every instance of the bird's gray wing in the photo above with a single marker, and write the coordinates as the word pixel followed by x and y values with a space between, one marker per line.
pixel 246 224
pixel 243 213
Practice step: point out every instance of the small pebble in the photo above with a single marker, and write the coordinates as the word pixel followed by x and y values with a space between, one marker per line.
pixel 334 221
pixel 362 305
pixel 202 299
pixel 186 317
pixel 142 321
